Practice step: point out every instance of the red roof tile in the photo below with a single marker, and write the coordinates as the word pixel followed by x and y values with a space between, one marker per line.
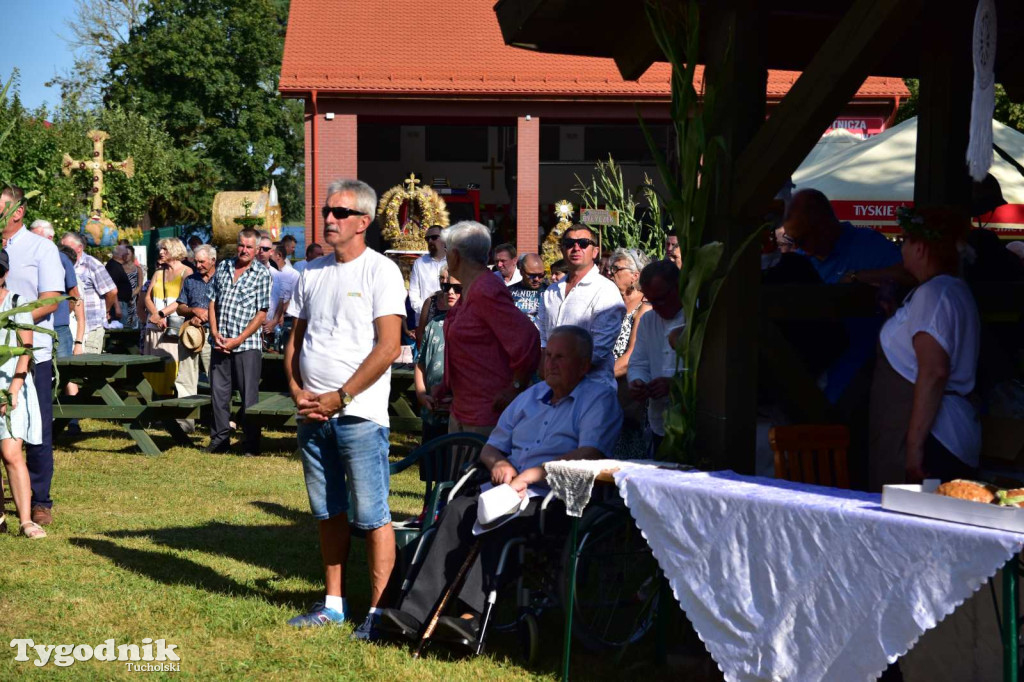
pixel 402 47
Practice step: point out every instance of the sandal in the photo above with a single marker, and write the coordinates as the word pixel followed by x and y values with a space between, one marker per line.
pixel 3 523
pixel 32 530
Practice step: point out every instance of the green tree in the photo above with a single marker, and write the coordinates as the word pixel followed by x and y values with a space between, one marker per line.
pixel 1006 112
pixel 208 71
pixel 31 157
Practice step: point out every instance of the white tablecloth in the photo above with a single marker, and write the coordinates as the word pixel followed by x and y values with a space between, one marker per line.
pixel 785 581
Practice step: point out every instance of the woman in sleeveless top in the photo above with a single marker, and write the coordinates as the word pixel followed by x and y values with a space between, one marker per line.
pixel 923 424
pixel 19 421
pixel 624 268
pixel 161 334
pixel 429 370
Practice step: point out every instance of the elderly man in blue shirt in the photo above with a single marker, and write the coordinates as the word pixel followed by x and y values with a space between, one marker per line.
pixel 569 415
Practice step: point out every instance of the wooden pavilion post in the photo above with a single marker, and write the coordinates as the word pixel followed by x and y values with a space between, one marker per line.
pixel 727 401
pixel 944 108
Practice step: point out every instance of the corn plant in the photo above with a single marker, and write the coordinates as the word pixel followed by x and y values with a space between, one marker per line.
pixel 692 190
pixel 640 225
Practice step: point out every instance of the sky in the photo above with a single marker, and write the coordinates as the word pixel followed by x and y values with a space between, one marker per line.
pixel 31 41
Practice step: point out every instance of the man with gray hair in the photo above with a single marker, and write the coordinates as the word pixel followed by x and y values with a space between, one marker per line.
pixel 239 296
pixel 194 306
pixel 569 415
pixel 98 290
pixel 348 309
pixel 67 343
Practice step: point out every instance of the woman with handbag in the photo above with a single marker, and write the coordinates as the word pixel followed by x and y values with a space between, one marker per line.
pixel 164 322
pixel 19 419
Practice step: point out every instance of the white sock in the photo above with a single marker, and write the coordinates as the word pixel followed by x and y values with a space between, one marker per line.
pixel 339 604
pixel 374 610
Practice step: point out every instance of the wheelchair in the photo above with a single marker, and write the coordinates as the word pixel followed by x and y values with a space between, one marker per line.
pixel 616 577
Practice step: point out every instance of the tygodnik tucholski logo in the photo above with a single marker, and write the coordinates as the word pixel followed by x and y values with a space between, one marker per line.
pixel 151 655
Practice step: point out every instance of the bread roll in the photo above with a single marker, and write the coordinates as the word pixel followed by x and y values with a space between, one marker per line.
pixel 966 490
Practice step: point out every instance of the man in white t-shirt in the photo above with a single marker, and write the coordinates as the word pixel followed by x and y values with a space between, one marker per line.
pixel 424 280
pixel 584 299
pixel 348 309
pixel 36 272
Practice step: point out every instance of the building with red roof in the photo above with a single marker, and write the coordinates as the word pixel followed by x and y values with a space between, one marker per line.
pixel 430 87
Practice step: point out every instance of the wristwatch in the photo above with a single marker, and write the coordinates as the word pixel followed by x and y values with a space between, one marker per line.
pixel 162 314
pixel 79 343
pixel 346 399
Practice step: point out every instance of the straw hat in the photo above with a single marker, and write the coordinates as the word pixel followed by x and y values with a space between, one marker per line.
pixel 193 338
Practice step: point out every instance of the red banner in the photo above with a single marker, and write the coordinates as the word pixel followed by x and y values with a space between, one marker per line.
pixel 867 126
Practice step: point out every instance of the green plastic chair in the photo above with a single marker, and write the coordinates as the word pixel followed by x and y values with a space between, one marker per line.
pixel 442 461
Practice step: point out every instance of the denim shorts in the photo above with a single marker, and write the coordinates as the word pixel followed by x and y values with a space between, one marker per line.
pixel 345 462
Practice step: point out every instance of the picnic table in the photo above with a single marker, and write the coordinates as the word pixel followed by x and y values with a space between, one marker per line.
pixel 113 387
pixel 121 341
pixel 278 410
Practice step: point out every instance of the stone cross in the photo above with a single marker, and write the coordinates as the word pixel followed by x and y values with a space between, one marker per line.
pixel 98 166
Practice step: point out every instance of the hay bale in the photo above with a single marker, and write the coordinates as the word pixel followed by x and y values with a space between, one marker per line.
pixel 230 205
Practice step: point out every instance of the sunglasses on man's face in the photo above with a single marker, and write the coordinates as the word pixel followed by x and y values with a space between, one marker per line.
pixel 339 212
pixel 448 286
pixel 535 275
pixel 433 237
pixel 567 243
pixel 264 249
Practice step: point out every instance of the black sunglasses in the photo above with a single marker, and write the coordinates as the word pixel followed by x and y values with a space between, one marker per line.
pixel 432 237
pixel 266 248
pixel 534 275
pixel 448 286
pixel 339 212
pixel 567 243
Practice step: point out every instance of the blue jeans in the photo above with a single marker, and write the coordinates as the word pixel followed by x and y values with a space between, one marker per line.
pixel 65 342
pixel 345 462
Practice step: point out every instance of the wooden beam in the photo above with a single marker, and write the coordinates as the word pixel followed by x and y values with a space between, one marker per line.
pixel 636 50
pixel 866 32
pixel 944 108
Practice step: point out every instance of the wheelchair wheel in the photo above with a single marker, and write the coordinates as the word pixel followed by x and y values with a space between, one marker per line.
pixel 529 638
pixel 617 580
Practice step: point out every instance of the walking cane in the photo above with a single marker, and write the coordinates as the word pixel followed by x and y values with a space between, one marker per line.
pixel 454 587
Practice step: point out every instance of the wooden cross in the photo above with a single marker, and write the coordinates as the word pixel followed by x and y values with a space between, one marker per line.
pixel 411 181
pixel 98 166
pixel 493 167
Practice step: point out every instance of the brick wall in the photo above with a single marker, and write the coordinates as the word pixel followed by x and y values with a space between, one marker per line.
pixel 337 157
pixel 527 184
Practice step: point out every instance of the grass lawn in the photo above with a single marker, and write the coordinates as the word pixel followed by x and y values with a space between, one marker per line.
pixel 214 553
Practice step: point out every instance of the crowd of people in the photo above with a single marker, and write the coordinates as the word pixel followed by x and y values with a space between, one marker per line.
pixel 573 360
pixel 537 362
pixel 193 312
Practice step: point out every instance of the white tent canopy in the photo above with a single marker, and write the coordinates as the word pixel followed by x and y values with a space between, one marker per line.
pixel 867 180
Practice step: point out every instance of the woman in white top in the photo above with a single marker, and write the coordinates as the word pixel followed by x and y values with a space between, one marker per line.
pixel 22 415
pixel 922 423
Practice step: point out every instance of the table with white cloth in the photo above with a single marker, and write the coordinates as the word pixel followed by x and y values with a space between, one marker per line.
pixel 787 581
